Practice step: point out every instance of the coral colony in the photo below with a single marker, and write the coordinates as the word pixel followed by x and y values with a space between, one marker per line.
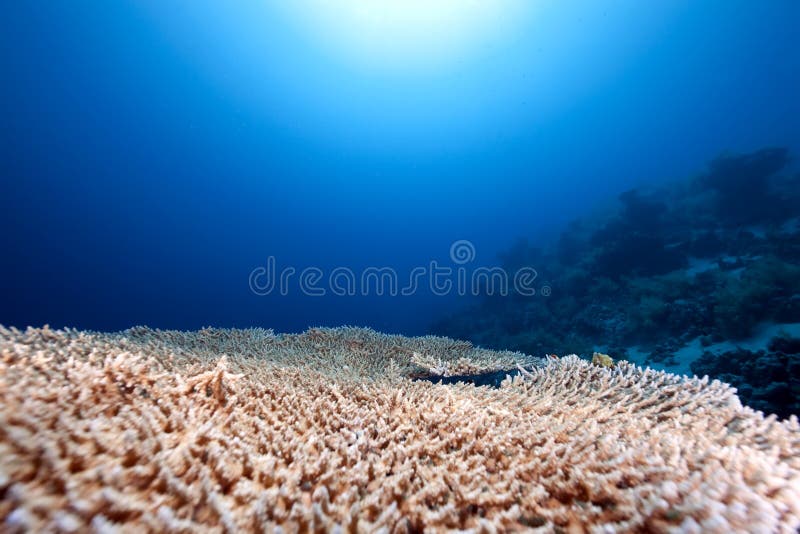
pixel 329 430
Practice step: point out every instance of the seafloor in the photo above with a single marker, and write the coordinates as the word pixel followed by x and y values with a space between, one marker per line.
pixel 329 430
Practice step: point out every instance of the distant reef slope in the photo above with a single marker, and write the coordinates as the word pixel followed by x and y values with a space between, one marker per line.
pixel 696 276
pixel 244 430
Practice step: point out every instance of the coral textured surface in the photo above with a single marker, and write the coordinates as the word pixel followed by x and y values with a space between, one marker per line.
pixel 245 430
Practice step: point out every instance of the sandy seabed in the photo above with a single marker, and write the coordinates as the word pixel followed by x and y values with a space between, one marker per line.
pixel 328 430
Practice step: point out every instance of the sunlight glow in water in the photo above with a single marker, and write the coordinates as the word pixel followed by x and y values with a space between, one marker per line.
pixel 407 35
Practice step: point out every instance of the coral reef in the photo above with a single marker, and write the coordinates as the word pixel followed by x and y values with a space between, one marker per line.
pixel 711 258
pixel 741 185
pixel 245 430
pixel 767 380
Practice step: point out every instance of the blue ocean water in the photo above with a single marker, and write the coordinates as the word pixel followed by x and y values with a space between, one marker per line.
pixel 158 158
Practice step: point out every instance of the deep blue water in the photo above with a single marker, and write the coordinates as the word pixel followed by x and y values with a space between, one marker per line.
pixel 154 153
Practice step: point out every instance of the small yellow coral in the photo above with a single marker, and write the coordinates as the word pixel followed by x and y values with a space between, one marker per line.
pixel 603 360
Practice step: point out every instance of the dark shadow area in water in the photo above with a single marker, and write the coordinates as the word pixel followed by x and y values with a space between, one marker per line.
pixel 493 379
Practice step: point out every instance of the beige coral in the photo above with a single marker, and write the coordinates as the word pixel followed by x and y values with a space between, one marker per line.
pixel 245 430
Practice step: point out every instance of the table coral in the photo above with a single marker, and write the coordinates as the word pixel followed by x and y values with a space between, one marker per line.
pixel 245 430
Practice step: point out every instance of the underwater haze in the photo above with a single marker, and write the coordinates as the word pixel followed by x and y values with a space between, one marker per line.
pixel 291 164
